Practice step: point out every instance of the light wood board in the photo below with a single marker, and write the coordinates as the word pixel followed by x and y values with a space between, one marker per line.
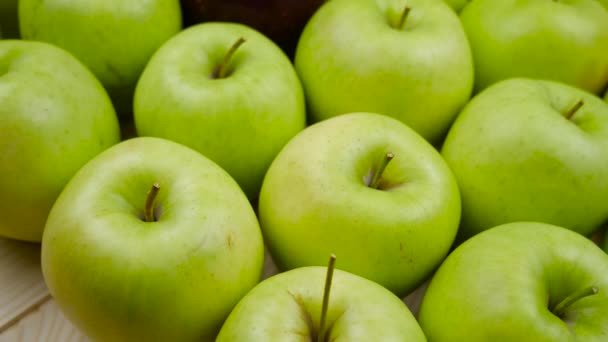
pixel 27 311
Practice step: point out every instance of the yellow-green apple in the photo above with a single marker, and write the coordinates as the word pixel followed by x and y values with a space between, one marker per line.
pixel 405 59
pixel 531 150
pixel 151 241
pixel 334 189
pixel 519 282
pixel 9 20
pixel 54 117
pixel 564 41
pixel 114 38
pixel 226 91
pixel 306 305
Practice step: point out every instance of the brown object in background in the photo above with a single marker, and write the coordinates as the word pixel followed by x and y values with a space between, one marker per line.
pixel 280 20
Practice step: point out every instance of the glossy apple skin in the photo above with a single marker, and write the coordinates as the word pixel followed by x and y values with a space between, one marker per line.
pixel 564 41
pixel 287 307
pixel 113 38
pixel 241 122
pixel 280 20
pixel 517 158
pixel 9 21
pixel 118 278
pixel 47 130
pixel 314 201
pixel 500 284
pixel 350 59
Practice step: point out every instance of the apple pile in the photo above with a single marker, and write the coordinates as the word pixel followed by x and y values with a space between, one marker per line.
pixel 457 146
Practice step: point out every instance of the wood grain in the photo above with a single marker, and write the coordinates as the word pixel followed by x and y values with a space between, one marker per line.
pixel 45 324
pixel 21 283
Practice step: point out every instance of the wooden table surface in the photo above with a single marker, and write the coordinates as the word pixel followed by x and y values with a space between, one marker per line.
pixel 27 310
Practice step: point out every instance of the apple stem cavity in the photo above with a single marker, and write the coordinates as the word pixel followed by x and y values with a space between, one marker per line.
pixel 570 113
pixel 326 290
pixel 149 207
pixel 221 70
pixel 375 182
pixel 403 17
pixel 562 306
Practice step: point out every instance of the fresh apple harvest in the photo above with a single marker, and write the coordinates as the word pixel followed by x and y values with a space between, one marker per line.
pixel 114 38
pixel 367 188
pixel 405 59
pixel 519 282
pixel 9 23
pixel 226 91
pixel 564 41
pixel 530 150
pixel 54 117
pixel 150 241
pixel 280 20
pixel 299 305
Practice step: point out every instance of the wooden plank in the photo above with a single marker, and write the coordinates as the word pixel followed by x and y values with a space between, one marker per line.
pixel 45 324
pixel 414 299
pixel 21 283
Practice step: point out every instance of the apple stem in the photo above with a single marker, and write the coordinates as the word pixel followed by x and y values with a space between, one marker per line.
pixel 403 18
pixel 220 70
pixel 380 170
pixel 561 307
pixel 570 113
pixel 149 208
pixel 328 279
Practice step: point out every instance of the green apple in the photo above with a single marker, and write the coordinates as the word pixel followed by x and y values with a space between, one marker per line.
pixel 332 189
pixel 296 306
pixel 236 104
pixel 519 282
pixel 9 23
pixel 525 150
pixel 54 117
pixel 405 59
pixel 563 41
pixel 114 38
pixel 128 264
